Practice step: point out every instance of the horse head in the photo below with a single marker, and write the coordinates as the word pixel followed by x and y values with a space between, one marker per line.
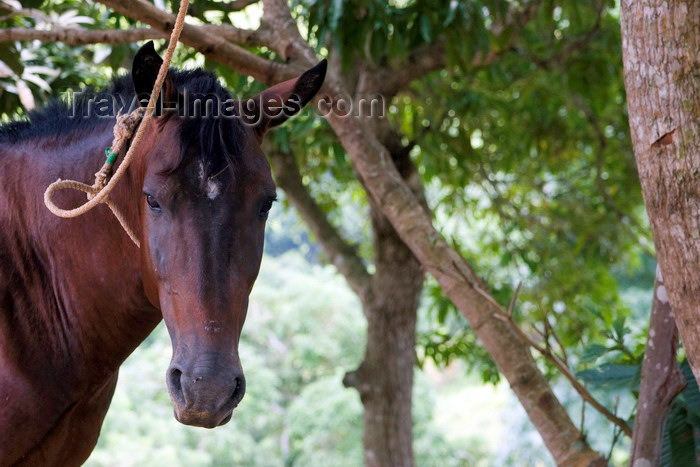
pixel 207 190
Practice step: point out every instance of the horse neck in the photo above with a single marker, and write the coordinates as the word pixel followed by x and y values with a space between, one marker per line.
pixel 82 277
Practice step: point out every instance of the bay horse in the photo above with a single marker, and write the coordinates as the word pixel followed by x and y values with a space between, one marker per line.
pixel 77 296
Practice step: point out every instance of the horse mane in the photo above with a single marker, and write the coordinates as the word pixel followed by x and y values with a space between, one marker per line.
pixel 216 139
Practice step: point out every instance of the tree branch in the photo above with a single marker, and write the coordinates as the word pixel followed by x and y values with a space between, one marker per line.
pixel 213 45
pixel 661 381
pixel 420 62
pixel 80 36
pixel 340 253
pixel 288 41
pixel 83 36
pixel 244 37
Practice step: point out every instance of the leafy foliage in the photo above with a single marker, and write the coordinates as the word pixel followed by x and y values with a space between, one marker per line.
pixel 681 441
pixel 526 159
pixel 376 29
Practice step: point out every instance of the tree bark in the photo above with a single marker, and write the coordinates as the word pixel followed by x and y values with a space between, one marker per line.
pixel 385 377
pixel 215 45
pixel 662 381
pixel 660 43
pixel 80 36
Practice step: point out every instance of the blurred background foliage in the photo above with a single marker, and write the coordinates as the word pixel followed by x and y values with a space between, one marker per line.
pixel 523 147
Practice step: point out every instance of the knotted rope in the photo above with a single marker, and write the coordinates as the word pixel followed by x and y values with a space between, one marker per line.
pixel 123 131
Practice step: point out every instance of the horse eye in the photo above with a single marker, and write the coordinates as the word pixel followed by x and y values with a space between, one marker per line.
pixel 265 208
pixel 152 203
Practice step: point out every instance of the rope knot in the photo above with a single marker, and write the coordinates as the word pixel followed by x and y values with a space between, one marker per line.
pixel 124 129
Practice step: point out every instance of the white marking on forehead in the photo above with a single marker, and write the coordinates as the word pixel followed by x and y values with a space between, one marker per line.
pixel 209 185
pixel 213 189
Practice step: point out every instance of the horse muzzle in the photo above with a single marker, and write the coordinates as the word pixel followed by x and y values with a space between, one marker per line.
pixel 205 398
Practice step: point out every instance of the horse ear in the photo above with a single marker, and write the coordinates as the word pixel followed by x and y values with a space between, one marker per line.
pixel 281 101
pixel 144 72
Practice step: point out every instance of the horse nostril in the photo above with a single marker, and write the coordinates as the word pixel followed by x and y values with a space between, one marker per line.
pixel 238 390
pixel 175 385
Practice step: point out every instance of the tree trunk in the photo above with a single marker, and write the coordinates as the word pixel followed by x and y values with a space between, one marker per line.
pixel 390 302
pixel 385 377
pixel 660 44
pixel 662 380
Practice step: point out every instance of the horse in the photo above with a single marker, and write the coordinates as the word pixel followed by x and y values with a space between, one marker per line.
pixel 77 296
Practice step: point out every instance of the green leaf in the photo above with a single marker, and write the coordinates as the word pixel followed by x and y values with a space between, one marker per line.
pixel 281 138
pixel 591 352
pixel 32 3
pixel 336 13
pixel 619 327
pixel 451 13
pixel 443 309
pixel 377 44
pixel 682 425
pixel 678 447
pixel 690 397
pixel 425 28
pixel 612 376
pixel 10 57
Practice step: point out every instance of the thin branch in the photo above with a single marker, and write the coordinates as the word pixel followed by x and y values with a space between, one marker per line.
pixel 502 314
pixel 628 223
pixel 244 37
pixel 511 307
pixel 566 371
pixel 616 434
pixel 518 15
pixel 80 36
pixel 592 119
pixel 565 356
pixel 340 253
